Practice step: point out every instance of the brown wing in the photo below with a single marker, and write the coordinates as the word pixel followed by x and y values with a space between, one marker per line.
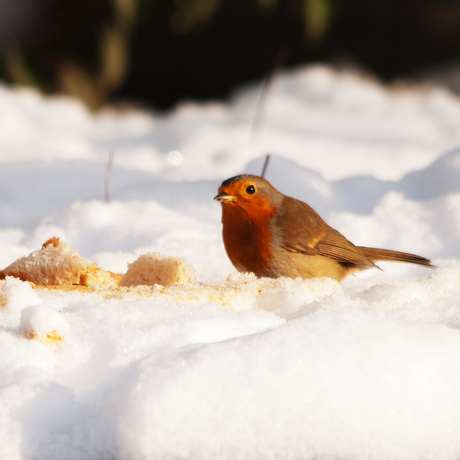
pixel 302 230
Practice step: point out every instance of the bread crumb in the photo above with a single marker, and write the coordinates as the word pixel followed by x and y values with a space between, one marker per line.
pixel 154 268
pixel 54 241
pixel 94 276
pixel 51 340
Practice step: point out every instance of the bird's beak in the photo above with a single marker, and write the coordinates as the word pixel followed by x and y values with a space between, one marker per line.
pixel 222 197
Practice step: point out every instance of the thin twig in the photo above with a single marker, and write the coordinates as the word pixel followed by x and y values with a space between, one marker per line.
pixel 264 169
pixel 280 61
pixel 108 171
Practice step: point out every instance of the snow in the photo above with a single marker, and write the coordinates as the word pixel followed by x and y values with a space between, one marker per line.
pixel 233 367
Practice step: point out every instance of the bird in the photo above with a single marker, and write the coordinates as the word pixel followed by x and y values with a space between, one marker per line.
pixel 273 235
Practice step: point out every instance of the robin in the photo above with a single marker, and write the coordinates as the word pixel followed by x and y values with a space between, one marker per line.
pixel 273 235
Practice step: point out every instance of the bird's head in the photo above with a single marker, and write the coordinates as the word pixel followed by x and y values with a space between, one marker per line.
pixel 250 193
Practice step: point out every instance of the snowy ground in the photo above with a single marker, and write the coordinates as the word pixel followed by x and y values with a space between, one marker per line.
pixel 243 368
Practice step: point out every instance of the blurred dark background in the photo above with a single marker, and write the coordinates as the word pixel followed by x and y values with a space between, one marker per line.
pixel 157 52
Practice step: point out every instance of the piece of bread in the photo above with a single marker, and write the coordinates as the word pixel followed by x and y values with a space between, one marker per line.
pixel 55 264
pixel 153 268
pixel 95 276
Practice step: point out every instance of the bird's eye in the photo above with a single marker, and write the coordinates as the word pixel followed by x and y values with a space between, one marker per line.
pixel 251 189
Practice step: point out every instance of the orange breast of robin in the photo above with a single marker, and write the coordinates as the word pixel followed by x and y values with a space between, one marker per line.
pixel 247 234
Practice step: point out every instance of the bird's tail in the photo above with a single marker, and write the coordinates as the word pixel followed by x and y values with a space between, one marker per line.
pixel 376 255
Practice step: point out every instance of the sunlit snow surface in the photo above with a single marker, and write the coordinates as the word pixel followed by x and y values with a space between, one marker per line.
pixel 234 367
